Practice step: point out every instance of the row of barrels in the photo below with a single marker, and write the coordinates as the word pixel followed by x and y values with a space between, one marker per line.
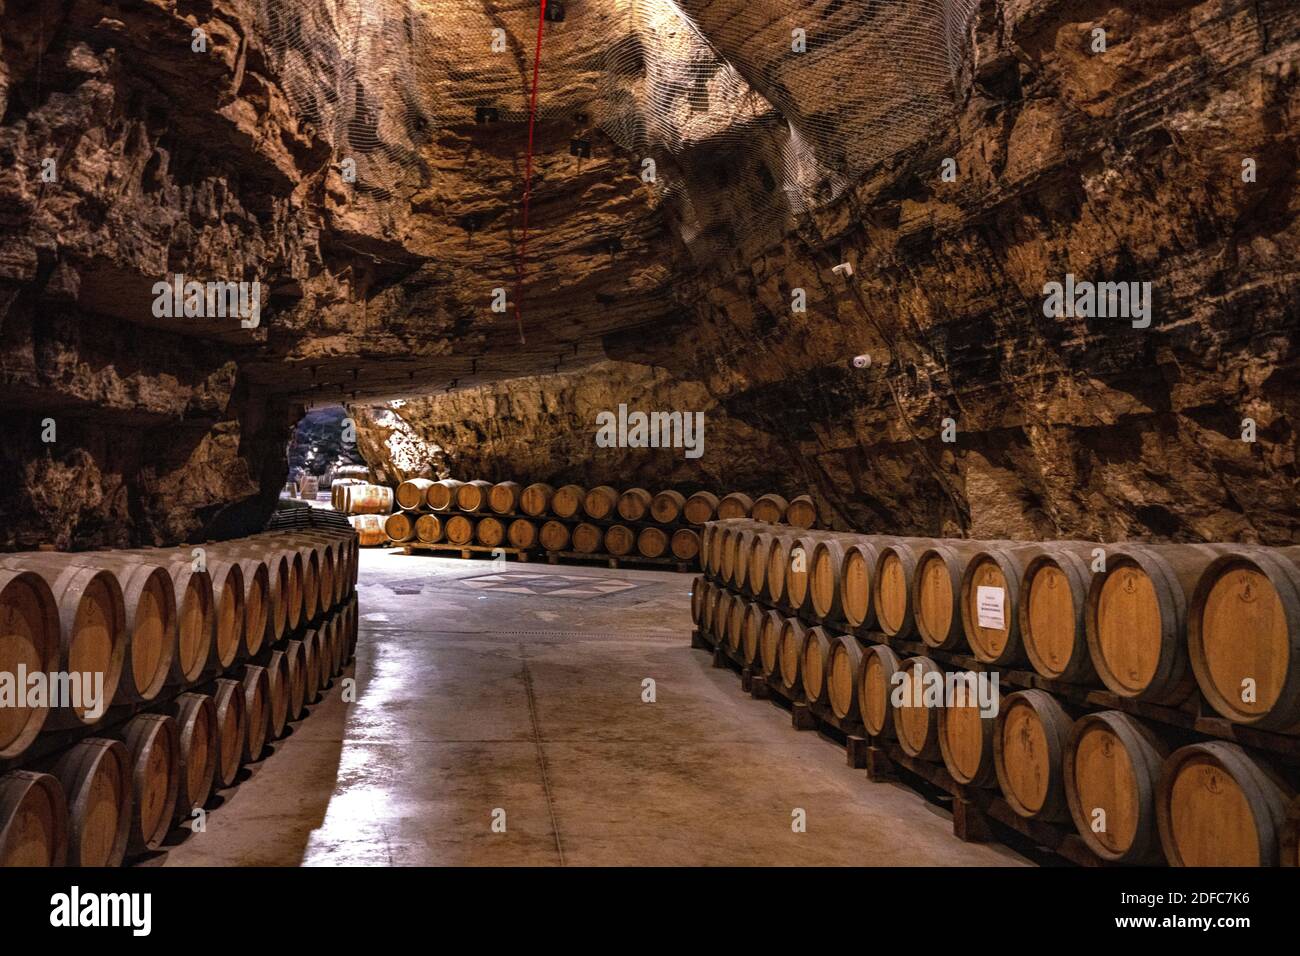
pixel 584 537
pixel 148 621
pixel 118 794
pixel 1132 792
pixel 352 496
pixel 1149 622
pixel 602 503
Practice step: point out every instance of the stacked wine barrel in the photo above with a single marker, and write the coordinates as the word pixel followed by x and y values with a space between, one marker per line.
pixel 569 519
pixel 1148 694
pixel 205 654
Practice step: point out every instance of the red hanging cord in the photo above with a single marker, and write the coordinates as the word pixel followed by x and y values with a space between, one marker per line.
pixel 528 175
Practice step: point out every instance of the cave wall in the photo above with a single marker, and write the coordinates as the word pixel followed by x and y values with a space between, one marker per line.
pixel 1117 166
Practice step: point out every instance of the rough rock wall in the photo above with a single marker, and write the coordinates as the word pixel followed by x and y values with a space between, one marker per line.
pixel 1123 165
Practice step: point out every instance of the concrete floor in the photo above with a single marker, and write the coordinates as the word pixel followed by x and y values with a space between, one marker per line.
pixel 518 689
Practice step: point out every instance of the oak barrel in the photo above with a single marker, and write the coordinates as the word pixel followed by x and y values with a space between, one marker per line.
pixel 814 667
pixel 153 745
pixel 33 820
pixel 567 501
pixel 801 512
pixel 29 639
pixel 651 542
pixel 619 539
pixel 459 529
pixel 412 494
pixel 96 778
pixel 1216 806
pixel 296 655
pixel 428 528
pixel 700 507
pixel 1029 751
pixel 535 500
pixel 685 544
pixel 891 581
pixel 769 642
pixel 441 495
pixel 735 505
pixel 721 615
pixel 736 624
pixel 936 592
pixel 990 601
pixel 699 591
pixel 370 533
pixel 257 710
pixel 232 733
pixel 857 570
pixel 634 504
pixel 1243 636
pixel 490 532
pixel 966 736
pixel 1112 777
pixel 522 534
pixel 769 508
pixel 751 630
pixel 916 716
pixel 1053 601
pixel 399 526
pixel 554 536
pixel 504 497
pixel 790 653
pixel 666 507
pixel 844 677
pixel 277 678
pixel 587 537
pixel 196 732
pixel 472 496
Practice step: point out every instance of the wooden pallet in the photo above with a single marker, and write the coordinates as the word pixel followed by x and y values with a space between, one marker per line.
pixel 617 560
pixel 465 550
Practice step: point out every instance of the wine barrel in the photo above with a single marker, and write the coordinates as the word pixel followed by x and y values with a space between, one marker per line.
pixel 634 504
pixel 891 581
pixel 296 652
pixel 710 610
pixel 990 601
pixel 153 746
pixel 367 499
pixel 567 501
pixel 844 677
pixel 318 670
pixel 778 560
pixel 790 653
pixel 257 709
pixel 915 721
pixel 370 533
pixel 814 665
pixel 504 497
pixel 1136 619
pixel 651 542
pixel 554 536
pixel 1053 600
pixel 699 591
pixel 1290 845
pixel 769 642
pixel 756 564
pixel 522 534
pixel 196 731
pixel 769 508
pixel 797 571
pixel 412 494
pixel 857 570
pixel 685 544
pixel 966 736
pixel 1112 775
pixel 472 496
pixel 736 624
pixel 1029 753
pixel 441 495
pixel 232 733
pixel 619 539
pixel 535 500
pixel 587 538
pixel 737 557
pixel 399 526
pixel 721 616
pixel 801 512
pixel 600 503
pixel 229 615
pixel 735 505
pixel 96 778
pixel 666 507
pixel 428 528
pixel 275 614
pixel 700 507
pixel 825 575
pixel 1243 636
pixel 751 630
pixel 1216 806
pixel 338 492
pixel 33 820
pixel 92 634
pixel 490 532
pixel 29 639
pixel 459 529
pixel 936 592
pixel 277 678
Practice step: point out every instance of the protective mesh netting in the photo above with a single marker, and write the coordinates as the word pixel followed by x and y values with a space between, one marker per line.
pixel 753 111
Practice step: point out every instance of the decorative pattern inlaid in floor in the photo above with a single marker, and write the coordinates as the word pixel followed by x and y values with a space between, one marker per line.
pixel 549 585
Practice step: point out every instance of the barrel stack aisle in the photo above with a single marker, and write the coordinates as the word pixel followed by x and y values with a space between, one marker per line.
pixel 1125 704
pixel 204 656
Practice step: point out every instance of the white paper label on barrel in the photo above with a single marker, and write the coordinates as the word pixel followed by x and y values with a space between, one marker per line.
pixel 990 603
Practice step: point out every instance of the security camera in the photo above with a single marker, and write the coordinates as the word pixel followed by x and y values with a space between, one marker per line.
pixel 861 361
